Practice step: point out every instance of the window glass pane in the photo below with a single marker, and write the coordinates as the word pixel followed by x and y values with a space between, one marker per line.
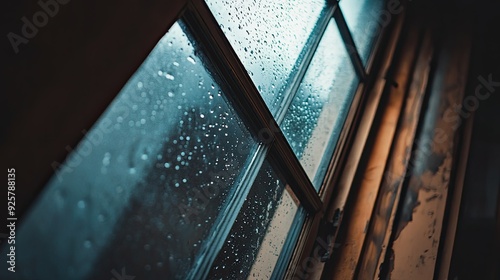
pixel 317 113
pixel 268 37
pixel 365 20
pixel 256 240
pixel 144 188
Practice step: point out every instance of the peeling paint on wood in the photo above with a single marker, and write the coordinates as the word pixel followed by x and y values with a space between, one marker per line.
pixel 419 230
pixel 349 253
pixel 397 165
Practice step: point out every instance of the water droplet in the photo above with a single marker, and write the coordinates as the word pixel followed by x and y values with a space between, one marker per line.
pixel 191 59
pixel 81 204
pixel 144 157
pixel 167 165
pixel 106 159
pixel 202 116
pixel 132 170
pixel 169 76
pixel 87 244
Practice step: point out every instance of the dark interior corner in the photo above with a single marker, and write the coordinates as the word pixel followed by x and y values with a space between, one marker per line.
pixel 475 255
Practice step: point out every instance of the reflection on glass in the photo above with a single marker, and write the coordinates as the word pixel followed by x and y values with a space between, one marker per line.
pixel 365 20
pixel 259 233
pixel 142 190
pixel 268 37
pixel 317 113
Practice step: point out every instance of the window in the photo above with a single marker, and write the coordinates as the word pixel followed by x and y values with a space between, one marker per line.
pixel 315 117
pixel 212 158
pixel 364 18
pixel 270 43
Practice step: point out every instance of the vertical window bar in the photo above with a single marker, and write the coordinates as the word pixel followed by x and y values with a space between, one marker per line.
pixel 228 216
pixel 307 55
pixel 290 244
pixel 349 42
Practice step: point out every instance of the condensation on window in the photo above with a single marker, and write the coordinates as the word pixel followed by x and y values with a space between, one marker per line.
pixel 268 37
pixel 365 19
pixel 258 235
pixel 315 118
pixel 143 189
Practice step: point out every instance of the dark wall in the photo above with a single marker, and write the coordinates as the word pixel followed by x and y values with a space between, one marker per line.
pixel 64 74
pixel 477 245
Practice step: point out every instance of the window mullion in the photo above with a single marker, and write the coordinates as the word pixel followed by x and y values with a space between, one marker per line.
pixel 248 102
pixel 304 61
pixel 228 216
pixel 349 42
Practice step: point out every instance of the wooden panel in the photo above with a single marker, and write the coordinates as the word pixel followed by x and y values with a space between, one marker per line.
pixel 396 171
pixel 449 240
pixel 418 234
pixel 372 173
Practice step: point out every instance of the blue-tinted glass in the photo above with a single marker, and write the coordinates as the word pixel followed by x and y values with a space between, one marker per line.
pixel 365 19
pixel 257 237
pixel 315 118
pixel 143 189
pixel 268 37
